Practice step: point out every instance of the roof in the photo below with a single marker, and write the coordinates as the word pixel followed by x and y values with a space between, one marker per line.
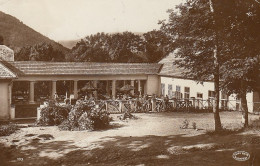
pixel 23 68
pixel 169 69
pixel 6 73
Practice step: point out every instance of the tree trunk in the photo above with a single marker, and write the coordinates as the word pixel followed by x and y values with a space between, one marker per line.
pixel 218 126
pixel 244 103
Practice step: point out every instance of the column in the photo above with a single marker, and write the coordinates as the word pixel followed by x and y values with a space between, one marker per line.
pixel 133 85
pixel 139 88
pixel 124 82
pixel 31 95
pixel 53 90
pixel 75 91
pixel 95 86
pixel 107 88
pixel 113 89
pixel 145 87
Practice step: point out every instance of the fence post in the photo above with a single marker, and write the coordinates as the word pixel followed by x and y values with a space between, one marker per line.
pixel 120 106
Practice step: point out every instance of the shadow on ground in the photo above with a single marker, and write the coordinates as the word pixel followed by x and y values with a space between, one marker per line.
pixel 199 150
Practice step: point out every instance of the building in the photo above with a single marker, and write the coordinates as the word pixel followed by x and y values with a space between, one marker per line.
pixel 19 82
pixel 174 84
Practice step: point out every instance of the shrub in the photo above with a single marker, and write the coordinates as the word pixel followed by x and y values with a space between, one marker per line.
pixel 185 124
pixel 255 124
pixel 194 125
pixel 85 116
pixel 53 115
pixel 8 129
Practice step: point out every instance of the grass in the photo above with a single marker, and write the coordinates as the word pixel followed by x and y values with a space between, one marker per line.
pixel 152 139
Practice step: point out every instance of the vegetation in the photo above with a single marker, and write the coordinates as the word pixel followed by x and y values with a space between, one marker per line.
pixel 215 42
pixel 85 116
pixel 53 115
pixel 82 116
pixel 121 47
pixel 39 52
pixel 7 129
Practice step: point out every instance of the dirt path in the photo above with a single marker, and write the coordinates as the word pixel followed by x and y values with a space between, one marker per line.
pixel 151 139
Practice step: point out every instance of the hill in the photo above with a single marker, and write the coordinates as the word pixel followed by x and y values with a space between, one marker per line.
pixel 17 35
pixel 68 43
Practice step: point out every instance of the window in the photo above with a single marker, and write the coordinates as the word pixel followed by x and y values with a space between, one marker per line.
pixel 178 94
pixel 178 88
pixel 199 95
pixel 186 92
pixel 163 89
pixel 224 96
pixel 211 94
pixel 170 91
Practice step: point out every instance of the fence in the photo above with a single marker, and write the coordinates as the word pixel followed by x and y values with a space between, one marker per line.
pixel 159 105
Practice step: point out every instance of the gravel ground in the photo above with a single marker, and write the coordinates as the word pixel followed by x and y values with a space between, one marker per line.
pixel 157 135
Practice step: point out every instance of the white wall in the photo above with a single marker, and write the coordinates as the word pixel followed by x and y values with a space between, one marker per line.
pixel 4 100
pixel 202 88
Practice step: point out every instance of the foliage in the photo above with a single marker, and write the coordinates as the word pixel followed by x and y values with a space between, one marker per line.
pixel 157 45
pixel 39 52
pixel 7 129
pixel 85 116
pixel 121 47
pixel 1 40
pixel 185 124
pixel 194 125
pixel 53 115
pixel 255 124
pixel 226 29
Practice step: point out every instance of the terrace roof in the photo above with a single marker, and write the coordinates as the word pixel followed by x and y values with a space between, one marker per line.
pixel 27 68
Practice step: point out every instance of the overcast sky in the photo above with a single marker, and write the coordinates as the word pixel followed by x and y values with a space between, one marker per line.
pixel 74 19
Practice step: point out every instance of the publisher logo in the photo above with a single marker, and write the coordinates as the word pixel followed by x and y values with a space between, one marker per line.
pixel 241 155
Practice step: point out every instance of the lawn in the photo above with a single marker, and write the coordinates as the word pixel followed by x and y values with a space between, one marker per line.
pixel 152 139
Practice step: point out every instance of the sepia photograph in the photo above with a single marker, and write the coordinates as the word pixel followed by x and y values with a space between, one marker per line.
pixel 130 82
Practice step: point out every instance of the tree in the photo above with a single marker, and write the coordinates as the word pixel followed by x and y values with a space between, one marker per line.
pixel 240 68
pixel 1 40
pixel 39 52
pixel 194 29
pixel 156 45
pixel 101 47
pixel 219 39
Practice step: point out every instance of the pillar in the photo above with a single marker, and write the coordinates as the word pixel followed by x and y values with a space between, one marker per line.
pixel 145 87
pixel 5 104
pixel 139 88
pixel 31 95
pixel 114 89
pixel 95 86
pixel 75 91
pixel 107 88
pixel 133 85
pixel 53 90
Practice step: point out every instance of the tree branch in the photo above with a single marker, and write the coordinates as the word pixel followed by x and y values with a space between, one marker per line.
pixel 257 1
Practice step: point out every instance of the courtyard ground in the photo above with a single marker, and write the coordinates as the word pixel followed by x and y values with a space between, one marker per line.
pixel 152 139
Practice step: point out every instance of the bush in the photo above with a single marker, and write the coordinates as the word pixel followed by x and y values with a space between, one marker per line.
pixel 53 115
pixel 194 125
pixel 8 129
pixel 185 124
pixel 255 124
pixel 85 116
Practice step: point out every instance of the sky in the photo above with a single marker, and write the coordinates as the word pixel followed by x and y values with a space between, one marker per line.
pixel 75 19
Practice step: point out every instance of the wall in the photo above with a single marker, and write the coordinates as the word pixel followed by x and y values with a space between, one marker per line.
pixel 4 100
pixel 153 85
pixel 6 53
pixel 203 88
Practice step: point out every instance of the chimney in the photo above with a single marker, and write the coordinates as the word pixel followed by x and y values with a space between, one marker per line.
pixel 6 53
